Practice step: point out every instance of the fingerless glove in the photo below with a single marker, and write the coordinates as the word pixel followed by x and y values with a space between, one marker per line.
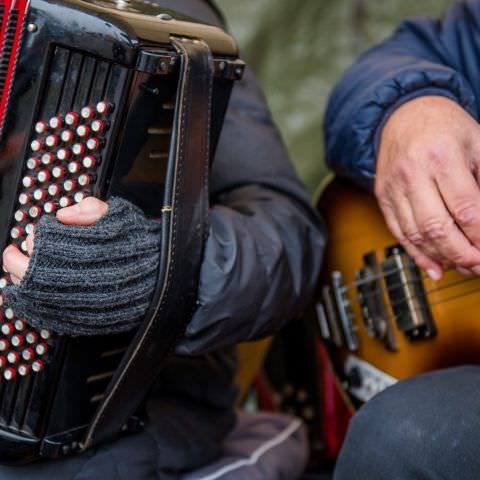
pixel 90 280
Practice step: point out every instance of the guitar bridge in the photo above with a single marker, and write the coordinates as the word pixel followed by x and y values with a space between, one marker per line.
pixel 407 295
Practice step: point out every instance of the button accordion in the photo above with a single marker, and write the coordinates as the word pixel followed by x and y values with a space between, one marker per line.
pixel 98 98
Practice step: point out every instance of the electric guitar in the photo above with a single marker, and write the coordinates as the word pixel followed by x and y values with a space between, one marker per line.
pixel 382 318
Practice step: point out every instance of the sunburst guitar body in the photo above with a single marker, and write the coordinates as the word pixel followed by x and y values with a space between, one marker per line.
pixel 382 319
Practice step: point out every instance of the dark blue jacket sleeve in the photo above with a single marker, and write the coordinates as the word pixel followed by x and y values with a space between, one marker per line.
pixel 422 57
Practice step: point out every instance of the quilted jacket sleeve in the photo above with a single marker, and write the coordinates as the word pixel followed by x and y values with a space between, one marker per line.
pixel 423 57
pixel 264 250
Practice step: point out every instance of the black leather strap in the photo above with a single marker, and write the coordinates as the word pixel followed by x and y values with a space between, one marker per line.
pixel 184 229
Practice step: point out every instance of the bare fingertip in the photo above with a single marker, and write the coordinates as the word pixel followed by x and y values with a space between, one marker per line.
pixel 434 274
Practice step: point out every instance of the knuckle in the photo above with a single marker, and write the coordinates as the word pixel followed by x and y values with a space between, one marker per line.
pixel 435 230
pixel 413 237
pixel 467 214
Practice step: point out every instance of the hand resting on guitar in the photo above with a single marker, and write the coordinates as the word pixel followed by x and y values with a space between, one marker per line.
pixel 427 184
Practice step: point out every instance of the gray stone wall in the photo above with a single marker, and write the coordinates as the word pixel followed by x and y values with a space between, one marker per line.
pixel 300 48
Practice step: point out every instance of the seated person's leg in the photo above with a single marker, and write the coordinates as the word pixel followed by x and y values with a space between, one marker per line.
pixel 426 428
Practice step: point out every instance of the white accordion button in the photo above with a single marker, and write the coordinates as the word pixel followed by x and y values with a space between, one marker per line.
pixel 20 216
pixel 19 325
pixel 32 163
pixel 28 354
pixel 9 374
pixel 89 161
pixel 54 189
pixel 41 349
pixel 65 202
pixel 84 180
pixel 39 194
pixel 17 340
pixel 4 344
pixel 49 207
pixel 69 185
pixel 55 122
pixel 3 282
pixel 23 370
pixel 87 113
pixel 29 228
pixel 104 107
pixel 43 176
pixel 74 167
pixel 71 118
pixel 28 181
pixel 31 337
pixel 16 232
pixel 36 145
pixel 41 127
pixel 98 126
pixel 63 154
pixel 47 158
pixel 24 199
pixel 7 328
pixel 12 357
pixel 93 143
pixel 45 334
pixel 83 131
pixel 78 197
pixel 51 141
pixel 78 149
pixel 58 172
pixel 34 211
pixel 67 136
pixel 9 313
pixel 37 366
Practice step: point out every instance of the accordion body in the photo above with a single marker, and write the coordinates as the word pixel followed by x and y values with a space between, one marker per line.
pixel 100 98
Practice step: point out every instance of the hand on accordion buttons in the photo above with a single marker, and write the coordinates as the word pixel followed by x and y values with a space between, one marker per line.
pixel 91 270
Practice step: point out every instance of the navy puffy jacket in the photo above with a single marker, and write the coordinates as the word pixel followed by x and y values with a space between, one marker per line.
pixel 422 57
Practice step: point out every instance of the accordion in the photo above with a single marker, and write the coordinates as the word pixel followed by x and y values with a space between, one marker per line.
pixel 100 98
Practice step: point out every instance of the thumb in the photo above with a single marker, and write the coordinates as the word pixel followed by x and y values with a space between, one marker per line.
pixel 89 211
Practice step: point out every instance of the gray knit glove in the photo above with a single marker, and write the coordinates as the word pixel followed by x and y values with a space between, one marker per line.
pixel 90 280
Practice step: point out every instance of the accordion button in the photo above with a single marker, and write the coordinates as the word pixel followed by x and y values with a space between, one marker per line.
pixel 16 232
pixel 41 127
pixel 20 216
pixel 29 227
pixel 104 107
pixel 9 374
pixel 32 163
pixel 78 149
pixel 37 366
pixel 69 185
pixel 87 113
pixel 58 172
pixel 12 357
pixel 41 349
pixel 39 194
pixel 51 141
pixel 7 328
pixel 23 246
pixel 63 154
pixel 17 340
pixel 89 161
pixel 79 196
pixel 71 118
pixel 28 181
pixel 74 167
pixel 93 143
pixel 28 354
pixel 54 189
pixel 9 313
pixel 24 199
pixel 23 370
pixel 36 145
pixel 19 325
pixel 43 176
pixel 47 158
pixel 31 338
pixel 4 344
pixel 65 202
pixel 34 211
pixel 67 136
pixel 3 282
pixel 98 126
pixel 45 334
pixel 83 131
pixel 49 207
pixel 55 122
pixel 84 180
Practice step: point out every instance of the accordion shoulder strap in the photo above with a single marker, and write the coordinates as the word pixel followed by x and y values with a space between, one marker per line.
pixel 184 229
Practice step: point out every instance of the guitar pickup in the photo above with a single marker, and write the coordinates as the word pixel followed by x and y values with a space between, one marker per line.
pixel 407 295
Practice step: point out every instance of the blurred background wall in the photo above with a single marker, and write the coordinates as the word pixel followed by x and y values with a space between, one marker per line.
pixel 299 49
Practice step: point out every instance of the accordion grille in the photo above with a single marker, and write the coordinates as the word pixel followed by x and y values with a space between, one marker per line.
pixel 65 161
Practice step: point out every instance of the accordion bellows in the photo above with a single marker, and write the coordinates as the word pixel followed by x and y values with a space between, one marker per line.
pixel 89 102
